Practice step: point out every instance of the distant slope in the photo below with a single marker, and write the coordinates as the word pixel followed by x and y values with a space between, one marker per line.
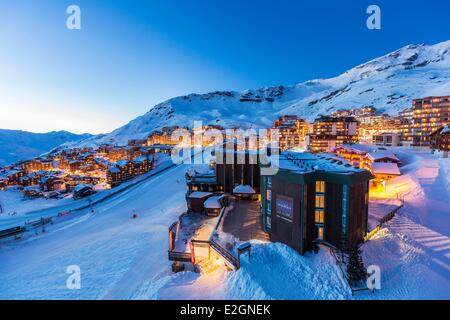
pixel 388 83
pixel 18 145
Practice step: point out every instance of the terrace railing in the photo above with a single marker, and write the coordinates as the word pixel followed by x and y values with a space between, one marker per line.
pixel 224 253
pixel 180 256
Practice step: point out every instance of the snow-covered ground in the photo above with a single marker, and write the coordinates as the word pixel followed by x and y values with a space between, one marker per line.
pixel 116 254
pixel 16 209
pixel 413 250
pixel 122 258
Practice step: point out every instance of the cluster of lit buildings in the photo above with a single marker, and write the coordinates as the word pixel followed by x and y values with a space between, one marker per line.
pixel 412 127
pixel 64 170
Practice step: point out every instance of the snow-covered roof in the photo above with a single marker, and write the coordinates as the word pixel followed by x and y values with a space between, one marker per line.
pixel 140 159
pixel 200 194
pixel 386 168
pixel 32 188
pixel 213 203
pixel 122 163
pixel 374 156
pixel 244 189
pixel 114 170
pixel 446 129
pixel 82 186
pixel 308 162
pixel 358 148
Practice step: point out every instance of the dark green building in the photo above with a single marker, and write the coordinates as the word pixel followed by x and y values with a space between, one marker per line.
pixel 314 199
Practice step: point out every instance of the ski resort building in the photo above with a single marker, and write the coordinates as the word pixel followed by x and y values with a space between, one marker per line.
pixel 292 131
pixel 440 140
pixel 329 132
pixel 429 114
pixel 387 139
pixel 404 122
pixel 315 199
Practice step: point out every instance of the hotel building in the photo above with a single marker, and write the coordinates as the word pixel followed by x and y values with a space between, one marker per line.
pixel 429 114
pixel 315 199
pixel 292 131
pixel 329 132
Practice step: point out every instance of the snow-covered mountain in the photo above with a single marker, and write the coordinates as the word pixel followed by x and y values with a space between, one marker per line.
pixel 18 145
pixel 388 83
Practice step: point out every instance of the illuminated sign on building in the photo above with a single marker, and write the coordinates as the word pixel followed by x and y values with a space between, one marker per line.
pixel 285 207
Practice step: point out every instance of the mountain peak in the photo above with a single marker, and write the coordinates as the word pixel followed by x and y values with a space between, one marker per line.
pixel 388 83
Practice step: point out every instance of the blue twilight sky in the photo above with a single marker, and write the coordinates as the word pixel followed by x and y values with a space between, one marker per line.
pixel 131 55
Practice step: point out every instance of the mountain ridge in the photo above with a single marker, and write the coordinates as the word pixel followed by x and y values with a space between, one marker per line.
pixel 388 83
pixel 17 145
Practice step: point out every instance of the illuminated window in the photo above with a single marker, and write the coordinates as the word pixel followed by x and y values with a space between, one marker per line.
pixel 320 216
pixel 320 233
pixel 320 201
pixel 320 186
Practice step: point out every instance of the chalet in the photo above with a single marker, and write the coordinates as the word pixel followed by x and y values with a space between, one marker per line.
pixel 141 165
pixel 87 168
pixel 32 191
pixel 440 140
pixel 384 171
pixel 38 164
pixel 354 153
pixel 82 191
pixel 117 153
pixel 315 199
pixel 13 176
pixel 86 157
pixel 114 176
pixel 102 164
pixel 147 151
pixel 105 148
pixel 126 168
pixel 133 152
pixel 75 165
pixel 383 164
pixel 74 180
pixel 382 157
pixel 63 164
pixel 52 183
pixel 30 179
